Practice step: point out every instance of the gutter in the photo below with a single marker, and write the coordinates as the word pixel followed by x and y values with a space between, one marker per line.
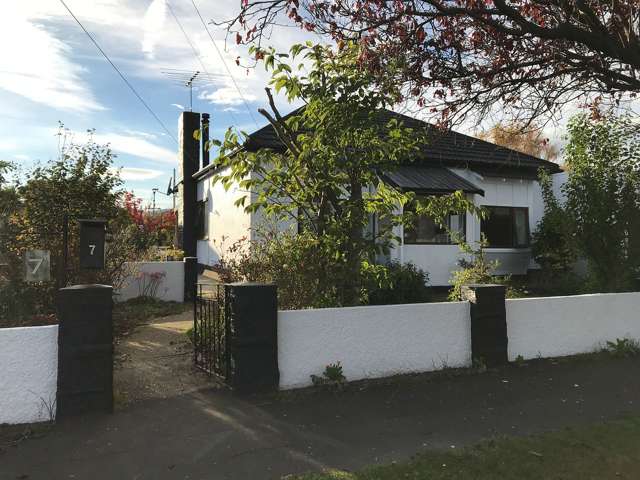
pixel 212 168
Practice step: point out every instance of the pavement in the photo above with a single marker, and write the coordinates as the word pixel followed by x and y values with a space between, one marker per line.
pixel 212 433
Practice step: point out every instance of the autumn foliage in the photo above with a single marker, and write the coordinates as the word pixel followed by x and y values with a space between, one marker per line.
pixel 521 138
pixel 522 58
pixel 160 226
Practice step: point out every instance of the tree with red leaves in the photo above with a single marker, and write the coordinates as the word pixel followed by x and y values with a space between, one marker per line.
pixel 525 59
pixel 158 227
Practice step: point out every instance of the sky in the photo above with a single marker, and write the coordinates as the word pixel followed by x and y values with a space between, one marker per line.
pixel 50 72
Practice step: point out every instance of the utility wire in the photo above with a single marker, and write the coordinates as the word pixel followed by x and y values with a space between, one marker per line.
pixel 224 63
pixel 124 79
pixel 195 52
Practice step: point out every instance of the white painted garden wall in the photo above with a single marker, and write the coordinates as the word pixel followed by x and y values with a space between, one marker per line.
pixel 379 341
pixel 171 285
pixel 28 373
pixel 559 326
pixel 372 342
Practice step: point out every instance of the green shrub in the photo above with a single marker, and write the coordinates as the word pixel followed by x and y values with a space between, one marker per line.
pixel 603 196
pixel 400 283
pixel 26 304
pixel 474 269
pixel 623 348
pixel 553 244
pixel 306 277
pixel 544 283
pixel 332 375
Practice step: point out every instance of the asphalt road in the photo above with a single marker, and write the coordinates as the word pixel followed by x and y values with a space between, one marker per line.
pixel 214 434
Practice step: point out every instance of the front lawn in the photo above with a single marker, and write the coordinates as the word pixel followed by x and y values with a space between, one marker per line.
pixel 604 451
pixel 138 311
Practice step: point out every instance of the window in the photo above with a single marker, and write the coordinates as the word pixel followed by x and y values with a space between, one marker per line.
pixel 506 227
pixel 202 227
pixel 426 231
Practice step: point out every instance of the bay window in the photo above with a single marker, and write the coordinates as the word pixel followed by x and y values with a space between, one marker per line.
pixel 425 231
pixel 506 227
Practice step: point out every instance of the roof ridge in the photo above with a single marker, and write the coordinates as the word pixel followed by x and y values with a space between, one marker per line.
pixel 451 146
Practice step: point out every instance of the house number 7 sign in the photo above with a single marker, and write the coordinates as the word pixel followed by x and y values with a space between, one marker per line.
pixel 37 265
pixel 92 238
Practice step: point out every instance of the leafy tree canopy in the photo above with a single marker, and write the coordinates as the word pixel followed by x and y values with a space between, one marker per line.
pixel 461 57
pixel 327 179
pixel 603 197
pixel 81 183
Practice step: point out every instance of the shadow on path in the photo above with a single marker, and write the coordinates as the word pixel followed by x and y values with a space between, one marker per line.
pixel 215 434
pixel 156 361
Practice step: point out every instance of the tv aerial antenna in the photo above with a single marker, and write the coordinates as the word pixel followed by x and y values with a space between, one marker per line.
pixel 190 79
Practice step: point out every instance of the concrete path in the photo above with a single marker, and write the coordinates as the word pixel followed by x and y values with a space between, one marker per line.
pixel 156 361
pixel 213 434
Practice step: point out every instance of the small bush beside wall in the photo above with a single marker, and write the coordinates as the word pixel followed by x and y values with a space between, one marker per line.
pixel 402 283
pixel 26 304
pixel 308 277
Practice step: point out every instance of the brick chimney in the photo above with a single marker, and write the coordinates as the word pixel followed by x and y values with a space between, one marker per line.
pixel 188 164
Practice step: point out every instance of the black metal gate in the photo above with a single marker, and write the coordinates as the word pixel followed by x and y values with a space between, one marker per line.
pixel 211 330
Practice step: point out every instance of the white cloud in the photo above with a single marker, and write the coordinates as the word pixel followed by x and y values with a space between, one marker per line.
pixel 226 96
pixel 139 147
pixel 139 174
pixel 139 133
pixel 177 105
pixel 152 25
pixel 36 65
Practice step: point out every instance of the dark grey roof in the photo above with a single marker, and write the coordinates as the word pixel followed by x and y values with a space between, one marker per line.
pixel 423 179
pixel 445 147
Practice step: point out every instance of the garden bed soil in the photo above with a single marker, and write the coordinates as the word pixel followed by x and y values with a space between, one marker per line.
pixel 33 321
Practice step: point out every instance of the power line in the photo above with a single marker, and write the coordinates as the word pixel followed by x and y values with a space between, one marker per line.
pixel 195 52
pixel 225 64
pixel 124 79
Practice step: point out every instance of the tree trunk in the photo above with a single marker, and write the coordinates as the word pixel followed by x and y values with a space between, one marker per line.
pixel 354 245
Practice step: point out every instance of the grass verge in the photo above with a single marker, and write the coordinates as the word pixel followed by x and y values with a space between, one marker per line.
pixel 138 311
pixel 603 451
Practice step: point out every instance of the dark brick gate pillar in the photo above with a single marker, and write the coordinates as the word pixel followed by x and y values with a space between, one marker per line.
pixel 488 323
pixel 190 278
pixel 85 350
pixel 253 315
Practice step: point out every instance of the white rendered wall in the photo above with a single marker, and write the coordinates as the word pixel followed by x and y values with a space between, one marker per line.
pixel 170 288
pixel 372 342
pixel 28 374
pixel 226 222
pixel 558 326
pixel 439 261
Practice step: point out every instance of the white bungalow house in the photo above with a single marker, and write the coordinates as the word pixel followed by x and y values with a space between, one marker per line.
pixel 500 179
